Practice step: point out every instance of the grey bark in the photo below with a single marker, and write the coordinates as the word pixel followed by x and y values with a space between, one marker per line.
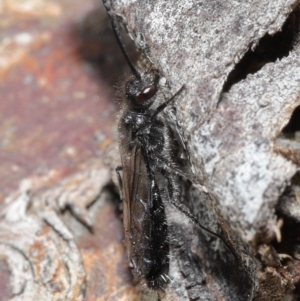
pixel 231 136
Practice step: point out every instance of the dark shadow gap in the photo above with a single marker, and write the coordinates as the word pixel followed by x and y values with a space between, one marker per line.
pixel 287 209
pixel 293 127
pixel 269 49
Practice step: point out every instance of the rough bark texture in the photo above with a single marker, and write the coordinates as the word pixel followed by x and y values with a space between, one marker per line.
pixel 230 123
pixel 231 115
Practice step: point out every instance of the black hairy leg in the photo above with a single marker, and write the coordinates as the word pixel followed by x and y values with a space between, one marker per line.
pixel 173 199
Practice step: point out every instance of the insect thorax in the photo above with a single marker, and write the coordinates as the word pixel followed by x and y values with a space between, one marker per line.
pixel 142 129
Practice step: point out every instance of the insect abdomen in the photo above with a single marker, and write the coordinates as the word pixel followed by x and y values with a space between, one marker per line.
pixel 156 256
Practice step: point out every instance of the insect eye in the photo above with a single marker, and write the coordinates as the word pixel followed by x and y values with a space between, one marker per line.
pixel 146 93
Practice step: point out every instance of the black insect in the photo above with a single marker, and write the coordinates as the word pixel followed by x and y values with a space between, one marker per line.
pixel 146 145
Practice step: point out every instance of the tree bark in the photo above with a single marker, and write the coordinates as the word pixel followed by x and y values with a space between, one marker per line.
pixel 239 63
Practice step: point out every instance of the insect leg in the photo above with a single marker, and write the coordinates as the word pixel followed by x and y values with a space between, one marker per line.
pixel 160 108
pixel 175 130
pixel 171 166
pixel 120 181
pixel 172 200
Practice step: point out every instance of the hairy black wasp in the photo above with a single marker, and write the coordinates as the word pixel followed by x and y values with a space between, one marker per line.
pixel 146 144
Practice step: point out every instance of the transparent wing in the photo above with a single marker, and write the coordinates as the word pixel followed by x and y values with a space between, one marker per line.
pixel 136 207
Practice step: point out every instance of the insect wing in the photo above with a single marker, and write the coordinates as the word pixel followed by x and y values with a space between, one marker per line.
pixel 136 207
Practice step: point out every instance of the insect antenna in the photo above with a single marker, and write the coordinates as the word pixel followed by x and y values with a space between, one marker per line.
pixel 116 31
